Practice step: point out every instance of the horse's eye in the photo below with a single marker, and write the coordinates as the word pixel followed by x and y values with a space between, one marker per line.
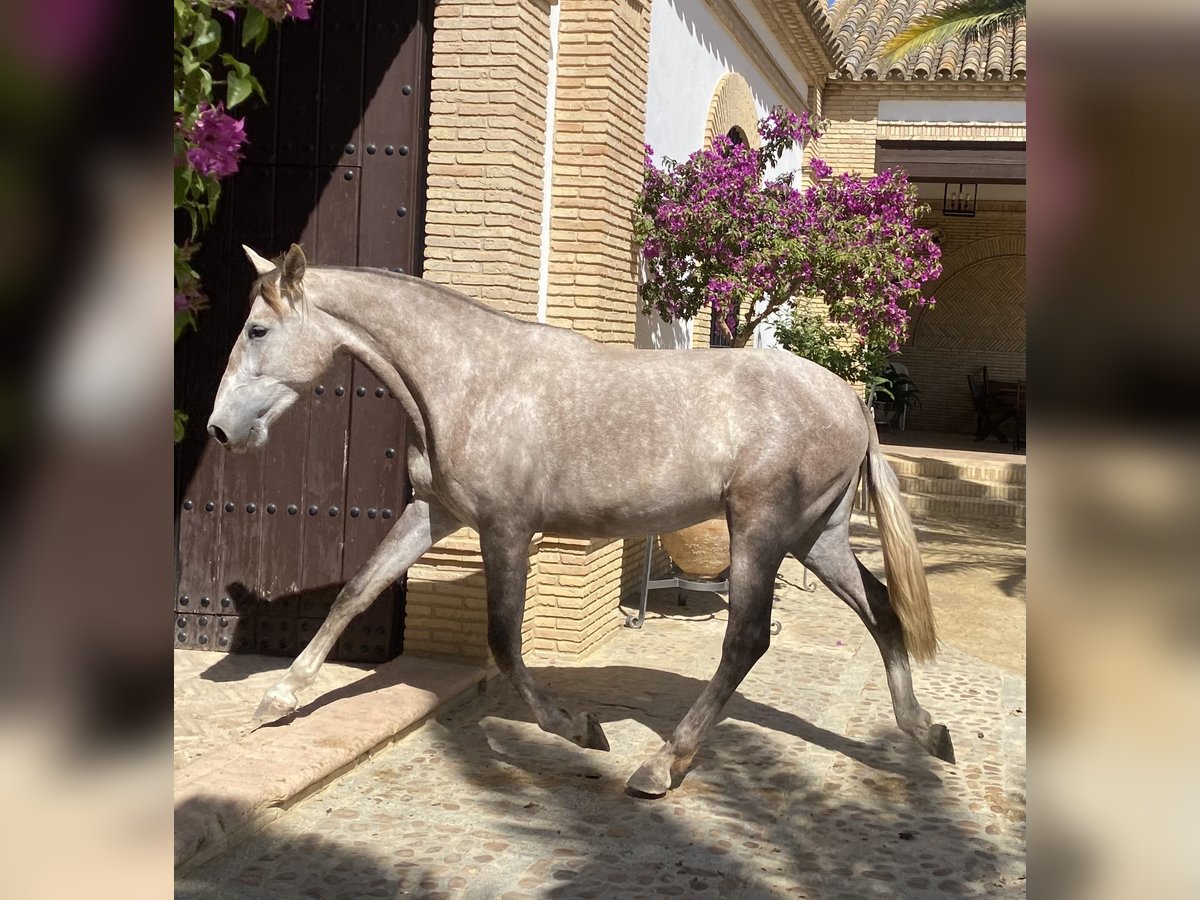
pixel 257 331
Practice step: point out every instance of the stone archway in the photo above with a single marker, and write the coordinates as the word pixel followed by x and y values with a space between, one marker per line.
pixel 732 106
pixel 979 320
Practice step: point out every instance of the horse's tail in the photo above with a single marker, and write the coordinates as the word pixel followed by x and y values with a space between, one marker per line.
pixel 906 585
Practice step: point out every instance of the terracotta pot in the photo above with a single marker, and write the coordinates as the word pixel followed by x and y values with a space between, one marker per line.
pixel 701 550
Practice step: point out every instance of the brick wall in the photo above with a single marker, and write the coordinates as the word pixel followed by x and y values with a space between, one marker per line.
pixel 486 148
pixel 484 221
pixel 852 111
pixel 483 237
pixel 599 123
pixel 979 319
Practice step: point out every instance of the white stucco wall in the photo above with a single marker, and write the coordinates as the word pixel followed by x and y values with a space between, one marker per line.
pixel 962 111
pixel 690 51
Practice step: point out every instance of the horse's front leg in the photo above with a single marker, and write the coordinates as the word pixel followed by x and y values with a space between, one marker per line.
pixel 418 528
pixel 506 566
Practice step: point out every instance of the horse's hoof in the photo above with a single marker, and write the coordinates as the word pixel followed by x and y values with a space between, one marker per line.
pixel 938 743
pixel 593 734
pixel 651 781
pixel 273 708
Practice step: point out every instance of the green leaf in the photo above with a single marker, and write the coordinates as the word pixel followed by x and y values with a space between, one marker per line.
pixel 208 38
pixel 180 425
pixel 188 61
pixel 254 28
pixel 184 273
pixel 183 318
pixel 183 180
pixel 232 62
pixel 237 88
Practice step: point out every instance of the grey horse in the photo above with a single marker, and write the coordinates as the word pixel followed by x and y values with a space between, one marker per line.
pixel 516 428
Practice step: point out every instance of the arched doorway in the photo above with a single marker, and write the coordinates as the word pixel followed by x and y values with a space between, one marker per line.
pixel 979 320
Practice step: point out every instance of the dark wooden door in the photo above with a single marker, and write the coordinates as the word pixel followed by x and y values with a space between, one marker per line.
pixel 336 163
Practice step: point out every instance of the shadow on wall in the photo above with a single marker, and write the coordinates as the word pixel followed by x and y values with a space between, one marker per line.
pixel 652 333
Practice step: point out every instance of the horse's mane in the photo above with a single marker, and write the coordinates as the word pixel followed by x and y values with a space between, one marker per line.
pixel 441 290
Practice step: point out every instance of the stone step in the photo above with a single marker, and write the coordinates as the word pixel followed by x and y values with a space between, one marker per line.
pixel 961 487
pixel 924 504
pixel 986 472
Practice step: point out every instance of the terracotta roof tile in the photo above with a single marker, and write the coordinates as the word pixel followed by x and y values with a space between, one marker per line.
pixel 863 27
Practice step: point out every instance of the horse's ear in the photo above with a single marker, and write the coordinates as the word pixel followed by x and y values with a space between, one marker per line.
pixel 261 266
pixel 293 267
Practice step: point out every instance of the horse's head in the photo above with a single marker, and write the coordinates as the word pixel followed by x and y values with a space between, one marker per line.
pixel 281 350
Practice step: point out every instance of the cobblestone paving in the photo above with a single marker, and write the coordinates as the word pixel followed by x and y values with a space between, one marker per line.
pixel 805 789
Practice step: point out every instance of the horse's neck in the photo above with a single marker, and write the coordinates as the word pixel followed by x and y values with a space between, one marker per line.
pixel 427 337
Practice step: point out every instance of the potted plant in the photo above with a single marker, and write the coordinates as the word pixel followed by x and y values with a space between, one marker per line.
pixel 893 394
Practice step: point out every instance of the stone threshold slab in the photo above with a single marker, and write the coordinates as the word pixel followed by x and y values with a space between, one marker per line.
pixel 239 789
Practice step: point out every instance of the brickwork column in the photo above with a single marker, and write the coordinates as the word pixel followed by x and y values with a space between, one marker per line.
pixel 599 129
pixel 486 147
pixel 483 237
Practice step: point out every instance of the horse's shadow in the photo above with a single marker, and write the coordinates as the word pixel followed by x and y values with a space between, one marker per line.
pixel 653 698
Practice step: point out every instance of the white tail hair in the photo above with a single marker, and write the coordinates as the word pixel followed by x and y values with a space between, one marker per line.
pixel 906 585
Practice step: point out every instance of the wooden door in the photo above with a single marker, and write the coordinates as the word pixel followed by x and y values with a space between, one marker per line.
pixel 336 163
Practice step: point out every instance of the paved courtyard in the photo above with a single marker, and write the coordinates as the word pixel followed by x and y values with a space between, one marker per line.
pixel 806 788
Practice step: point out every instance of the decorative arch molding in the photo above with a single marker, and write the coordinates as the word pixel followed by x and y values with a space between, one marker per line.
pixel 1000 261
pixel 979 320
pixel 1004 245
pixel 732 105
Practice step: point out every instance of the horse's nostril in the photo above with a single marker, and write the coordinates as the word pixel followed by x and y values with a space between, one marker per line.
pixel 220 435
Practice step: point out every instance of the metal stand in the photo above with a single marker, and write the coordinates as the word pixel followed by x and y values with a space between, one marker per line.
pixel 636 620
pixel 807 585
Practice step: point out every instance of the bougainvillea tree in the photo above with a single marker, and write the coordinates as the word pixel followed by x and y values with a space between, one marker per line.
pixel 716 232
pixel 208 139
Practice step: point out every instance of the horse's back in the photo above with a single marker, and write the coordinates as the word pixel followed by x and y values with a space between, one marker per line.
pixel 621 436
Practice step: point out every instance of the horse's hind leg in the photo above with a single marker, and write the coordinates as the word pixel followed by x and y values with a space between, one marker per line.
pixel 747 637
pixel 417 529
pixel 832 560
pixel 506 567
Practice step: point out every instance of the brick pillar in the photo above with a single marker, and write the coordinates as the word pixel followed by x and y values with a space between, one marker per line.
pixel 599 130
pixel 483 237
pixel 483 219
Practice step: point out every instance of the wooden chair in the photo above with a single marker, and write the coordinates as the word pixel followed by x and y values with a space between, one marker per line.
pixel 989 415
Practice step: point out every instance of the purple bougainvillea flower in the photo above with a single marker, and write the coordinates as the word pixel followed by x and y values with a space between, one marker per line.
pixel 278 10
pixel 718 232
pixel 217 140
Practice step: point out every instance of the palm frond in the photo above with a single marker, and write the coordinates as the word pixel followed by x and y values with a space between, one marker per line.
pixel 966 19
